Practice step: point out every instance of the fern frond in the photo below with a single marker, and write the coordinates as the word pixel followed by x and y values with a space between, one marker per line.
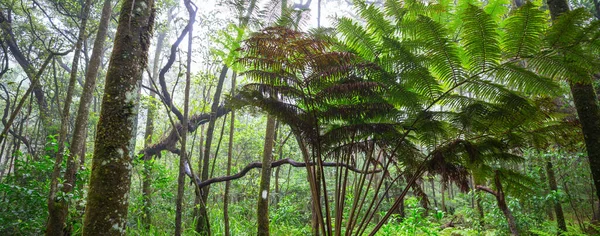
pixel 376 22
pixel 356 38
pixel 524 31
pixel 521 79
pixel 444 62
pixel 480 39
pixel 567 28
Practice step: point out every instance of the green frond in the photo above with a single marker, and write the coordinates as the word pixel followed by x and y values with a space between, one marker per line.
pixel 556 67
pixel 526 81
pixel 361 131
pixel 485 90
pixel 497 9
pixel 443 61
pixel 356 38
pixel 395 9
pixel 331 113
pixel 480 39
pixel 524 31
pixel 354 90
pixel 376 22
pixel 567 29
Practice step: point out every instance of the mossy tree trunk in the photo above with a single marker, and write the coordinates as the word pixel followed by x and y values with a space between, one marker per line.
pixel 107 201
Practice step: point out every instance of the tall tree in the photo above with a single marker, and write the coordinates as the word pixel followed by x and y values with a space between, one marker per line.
pixel 582 90
pixel 107 201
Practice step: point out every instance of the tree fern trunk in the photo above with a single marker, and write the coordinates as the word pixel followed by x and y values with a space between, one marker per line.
pixel 265 179
pixel 586 102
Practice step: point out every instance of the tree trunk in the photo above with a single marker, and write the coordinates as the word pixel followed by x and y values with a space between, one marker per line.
pixel 265 179
pixel 501 200
pixel 586 104
pixel 183 155
pixel 57 208
pixel 107 201
pixel 229 158
pixel 202 226
pixel 560 217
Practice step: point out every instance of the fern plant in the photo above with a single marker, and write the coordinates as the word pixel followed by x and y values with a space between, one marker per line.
pixel 454 91
pixel 467 78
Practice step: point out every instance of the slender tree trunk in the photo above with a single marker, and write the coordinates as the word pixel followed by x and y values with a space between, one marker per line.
pixel 183 155
pixel 81 121
pixel 150 113
pixel 501 200
pixel 107 201
pixel 229 158
pixel 56 213
pixel 586 103
pixel 560 217
pixel 265 179
pixel 444 197
pixel 202 226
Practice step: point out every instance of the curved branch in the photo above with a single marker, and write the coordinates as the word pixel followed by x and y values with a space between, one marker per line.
pixel 486 189
pixel 170 141
pixel 274 164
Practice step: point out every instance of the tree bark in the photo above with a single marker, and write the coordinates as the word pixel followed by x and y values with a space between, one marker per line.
pixel 107 201
pixel 81 121
pixel 560 217
pixel 586 103
pixel 265 179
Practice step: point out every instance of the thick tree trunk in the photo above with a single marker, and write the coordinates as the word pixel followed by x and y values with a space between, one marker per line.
pixel 265 179
pixel 560 217
pixel 107 201
pixel 57 212
pixel 586 102
pixel 229 159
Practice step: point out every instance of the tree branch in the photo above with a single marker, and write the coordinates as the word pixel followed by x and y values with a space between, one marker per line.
pixel 486 189
pixel 274 164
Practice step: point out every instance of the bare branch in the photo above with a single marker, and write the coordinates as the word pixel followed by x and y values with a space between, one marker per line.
pixel 274 164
